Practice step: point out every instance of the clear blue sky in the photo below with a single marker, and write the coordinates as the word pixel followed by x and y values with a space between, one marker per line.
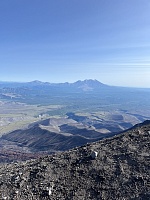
pixel 68 40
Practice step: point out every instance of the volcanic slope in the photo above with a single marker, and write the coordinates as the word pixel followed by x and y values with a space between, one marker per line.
pixel 113 168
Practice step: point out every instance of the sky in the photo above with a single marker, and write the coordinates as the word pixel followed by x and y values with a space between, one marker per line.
pixel 70 40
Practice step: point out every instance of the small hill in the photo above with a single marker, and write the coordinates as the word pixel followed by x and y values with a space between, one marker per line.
pixel 39 139
pixel 114 168
pixel 51 135
pixel 46 136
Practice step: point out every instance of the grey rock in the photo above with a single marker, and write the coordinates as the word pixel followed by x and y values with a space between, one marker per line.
pixel 119 170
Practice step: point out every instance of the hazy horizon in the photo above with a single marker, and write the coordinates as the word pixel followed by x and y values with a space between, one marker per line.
pixel 66 41
pixel 3 81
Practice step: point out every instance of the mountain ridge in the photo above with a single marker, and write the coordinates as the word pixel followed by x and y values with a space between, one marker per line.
pixel 113 168
pixel 87 84
pixel 51 135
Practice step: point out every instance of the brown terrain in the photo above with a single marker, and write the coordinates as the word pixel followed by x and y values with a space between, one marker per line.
pixel 56 134
pixel 113 168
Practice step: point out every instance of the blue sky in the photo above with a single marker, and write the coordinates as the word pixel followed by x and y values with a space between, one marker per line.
pixel 68 40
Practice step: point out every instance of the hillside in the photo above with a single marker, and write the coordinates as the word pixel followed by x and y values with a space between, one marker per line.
pixel 46 136
pixel 114 168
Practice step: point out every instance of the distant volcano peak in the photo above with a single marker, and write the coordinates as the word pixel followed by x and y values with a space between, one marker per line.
pixel 89 84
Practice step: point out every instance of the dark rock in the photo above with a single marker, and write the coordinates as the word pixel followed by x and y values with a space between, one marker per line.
pixel 119 171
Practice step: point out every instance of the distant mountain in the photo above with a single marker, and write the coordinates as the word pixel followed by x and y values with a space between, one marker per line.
pixel 36 83
pixel 114 168
pixel 85 85
pixel 89 84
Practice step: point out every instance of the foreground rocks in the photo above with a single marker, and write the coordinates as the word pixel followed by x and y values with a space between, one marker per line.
pixel 115 168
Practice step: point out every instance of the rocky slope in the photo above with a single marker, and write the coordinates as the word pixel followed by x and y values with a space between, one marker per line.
pixel 115 168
